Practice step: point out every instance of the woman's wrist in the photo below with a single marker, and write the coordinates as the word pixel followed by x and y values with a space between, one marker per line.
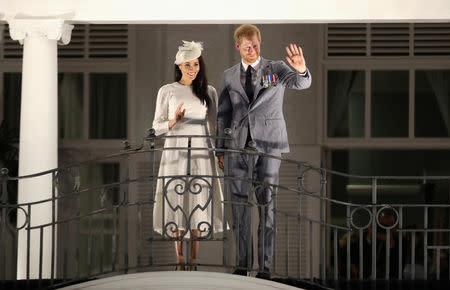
pixel 172 123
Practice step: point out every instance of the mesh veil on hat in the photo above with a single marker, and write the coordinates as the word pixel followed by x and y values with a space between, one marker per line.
pixel 189 51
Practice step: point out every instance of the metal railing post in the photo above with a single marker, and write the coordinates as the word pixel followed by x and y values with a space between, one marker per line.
pixel 152 139
pixel 374 229
pixel 323 184
pixel 299 218
pixel 54 182
pixel 4 216
pixel 126 200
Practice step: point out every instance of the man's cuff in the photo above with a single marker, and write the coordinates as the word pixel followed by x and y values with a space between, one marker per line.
pixel 305 74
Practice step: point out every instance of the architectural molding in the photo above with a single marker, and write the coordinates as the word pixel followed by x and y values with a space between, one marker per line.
pixel 53 29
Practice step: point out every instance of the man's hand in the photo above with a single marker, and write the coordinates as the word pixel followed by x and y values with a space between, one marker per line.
pixel 220 159
pixel 295 58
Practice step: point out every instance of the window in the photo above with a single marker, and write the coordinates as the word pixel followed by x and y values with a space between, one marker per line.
pixel 389 103
pixel 107 105
pixel 11 97
pixel 432 103
pixel 70 105
pixel 346 93
pixel 97 230
pixel 396 108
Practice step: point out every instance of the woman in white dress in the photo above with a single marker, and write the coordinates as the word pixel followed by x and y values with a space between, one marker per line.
pixel 187 207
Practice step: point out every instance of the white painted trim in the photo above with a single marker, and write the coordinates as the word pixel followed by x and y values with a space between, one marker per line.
pixel 231 11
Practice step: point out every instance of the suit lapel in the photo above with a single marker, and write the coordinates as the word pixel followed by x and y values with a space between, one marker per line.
pixel 236 82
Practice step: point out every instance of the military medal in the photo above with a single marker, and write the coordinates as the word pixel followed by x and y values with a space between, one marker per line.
pixel 269 80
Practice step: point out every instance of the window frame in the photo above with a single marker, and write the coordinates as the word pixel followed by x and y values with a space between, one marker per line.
pixel 84 68
pixel 369 64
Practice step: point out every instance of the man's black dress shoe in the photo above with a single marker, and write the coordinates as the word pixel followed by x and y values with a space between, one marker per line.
pixel 263 275
pixel 240 272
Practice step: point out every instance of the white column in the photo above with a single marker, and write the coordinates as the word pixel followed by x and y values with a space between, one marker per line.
pixel 38 149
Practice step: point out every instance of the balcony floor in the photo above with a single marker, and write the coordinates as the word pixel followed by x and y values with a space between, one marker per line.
pixel 180 280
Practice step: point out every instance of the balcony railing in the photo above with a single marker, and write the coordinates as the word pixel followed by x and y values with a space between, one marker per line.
pixel 108 228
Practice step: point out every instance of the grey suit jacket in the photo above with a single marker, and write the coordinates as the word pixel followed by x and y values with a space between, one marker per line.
pixel 265 114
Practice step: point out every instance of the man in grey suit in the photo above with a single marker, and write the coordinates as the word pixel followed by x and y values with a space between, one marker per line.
pixel 251 104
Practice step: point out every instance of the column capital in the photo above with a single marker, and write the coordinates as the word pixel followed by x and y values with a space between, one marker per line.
pixel 52 28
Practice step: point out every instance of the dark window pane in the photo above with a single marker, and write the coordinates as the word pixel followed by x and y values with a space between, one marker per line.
pixel 12 87
pixel 432 104
pixel 108 105
pixel 346 95
pixel 390 109
pixel 101 231
pixel 70 104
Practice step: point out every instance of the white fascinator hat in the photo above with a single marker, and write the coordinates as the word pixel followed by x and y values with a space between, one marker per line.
pixel 189 51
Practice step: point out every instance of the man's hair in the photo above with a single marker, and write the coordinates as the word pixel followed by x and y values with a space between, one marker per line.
pixel 246 30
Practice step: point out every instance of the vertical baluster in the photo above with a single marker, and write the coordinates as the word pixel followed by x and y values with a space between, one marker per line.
pixel 311 264
pixel 4 216
pixel 114 238
pixel 15 249
pixel 299 225
pixel 152 138
pixel 41 249
pixel 388 252
pixel 335 254
pixel 263 209
pixel 425 246
pixel 438 263
pixel 28 244
pixel 323 184
pixel 348 242
pixel 361 254
pixel 275 212
pixel 413 255
pixel 139 218
pixel 286 228
pixel 211 194
pixel 66 229
pixel 77 251
pixel 374 229
pixel 78 222
pixel 54 181
pixel 186 192
pixel 89 246
pixel 126 210
pixel 102 240
pixel 400 242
